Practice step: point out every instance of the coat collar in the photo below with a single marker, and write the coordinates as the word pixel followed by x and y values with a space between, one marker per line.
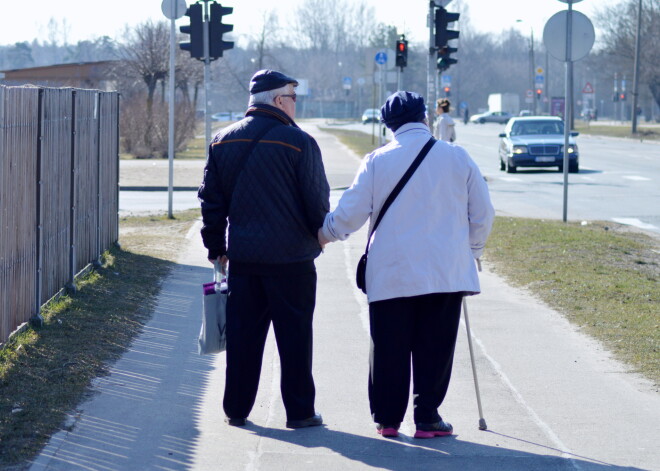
pixel 269 111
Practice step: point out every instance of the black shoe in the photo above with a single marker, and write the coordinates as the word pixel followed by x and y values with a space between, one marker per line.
pixel 312 421
pixel 437 429
pixel 236 422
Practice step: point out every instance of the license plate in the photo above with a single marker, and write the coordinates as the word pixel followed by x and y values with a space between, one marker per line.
pixel 544 159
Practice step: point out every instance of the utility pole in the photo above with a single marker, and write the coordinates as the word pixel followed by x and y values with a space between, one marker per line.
pixel 635 91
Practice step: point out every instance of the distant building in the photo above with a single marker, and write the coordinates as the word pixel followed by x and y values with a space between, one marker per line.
pixel 95 75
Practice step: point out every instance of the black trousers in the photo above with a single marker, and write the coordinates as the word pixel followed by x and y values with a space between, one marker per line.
pixel 254 301
pixel 423 328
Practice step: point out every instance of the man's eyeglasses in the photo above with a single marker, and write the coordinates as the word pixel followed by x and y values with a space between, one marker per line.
pixel 292 96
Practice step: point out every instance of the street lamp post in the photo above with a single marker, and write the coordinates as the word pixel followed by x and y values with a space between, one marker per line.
pixel 531 66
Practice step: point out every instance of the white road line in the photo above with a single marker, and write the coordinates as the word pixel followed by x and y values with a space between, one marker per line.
pixel 636 178
pixel 589 179
pixel 511 179
pixel 565 451
pixel 635 222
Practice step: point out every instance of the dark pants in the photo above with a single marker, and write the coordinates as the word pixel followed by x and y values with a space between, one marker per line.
pixel 254 301
pixel 421 327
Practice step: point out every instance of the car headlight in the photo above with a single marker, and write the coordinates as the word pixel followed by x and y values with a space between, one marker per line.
pixel 519 150
pixel 572 148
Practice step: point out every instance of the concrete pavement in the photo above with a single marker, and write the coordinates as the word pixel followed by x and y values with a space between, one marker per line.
pixel 553 398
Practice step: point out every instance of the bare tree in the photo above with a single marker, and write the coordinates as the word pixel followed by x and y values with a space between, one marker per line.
pixel 145 55
pixel 619 24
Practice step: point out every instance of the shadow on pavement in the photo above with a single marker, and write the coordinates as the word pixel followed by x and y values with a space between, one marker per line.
pixel 447 453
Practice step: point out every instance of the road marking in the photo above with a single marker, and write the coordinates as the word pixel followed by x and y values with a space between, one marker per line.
pixel 636 223
pixel 589 179
pixel 511 179
pixel 636 178
pixel 560 446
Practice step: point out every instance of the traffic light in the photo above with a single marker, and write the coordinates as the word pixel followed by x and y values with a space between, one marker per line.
pixel 402 52
pixel 196 31
pixel 538 93
pixel 622 96
pixel 216 29
pixel 615 97
pixel 447 91
pixel 442 20
pixel 444 58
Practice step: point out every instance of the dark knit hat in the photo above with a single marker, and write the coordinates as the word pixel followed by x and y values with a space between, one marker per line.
pixel 267 79
pixel 401 108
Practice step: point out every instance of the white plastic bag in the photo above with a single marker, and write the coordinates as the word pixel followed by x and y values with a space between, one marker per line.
pixel 212 336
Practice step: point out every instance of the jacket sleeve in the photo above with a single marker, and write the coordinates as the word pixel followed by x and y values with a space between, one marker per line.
pixel 480 209
pixel 214 209
pixel 314 187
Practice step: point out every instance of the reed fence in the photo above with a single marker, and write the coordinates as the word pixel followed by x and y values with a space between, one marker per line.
pixel 59 199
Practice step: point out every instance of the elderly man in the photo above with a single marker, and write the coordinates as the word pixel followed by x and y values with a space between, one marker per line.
pixel 265 179
pixel 421 262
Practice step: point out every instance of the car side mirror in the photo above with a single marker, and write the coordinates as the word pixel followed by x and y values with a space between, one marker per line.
pixel 575 133
pixel 502 134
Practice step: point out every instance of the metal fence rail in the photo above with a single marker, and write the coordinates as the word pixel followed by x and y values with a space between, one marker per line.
pixel 58 192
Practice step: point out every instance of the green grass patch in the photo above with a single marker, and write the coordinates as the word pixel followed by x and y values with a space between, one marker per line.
pixel 595 129
pixel 358 141
pixel 602 277
pixel 46 372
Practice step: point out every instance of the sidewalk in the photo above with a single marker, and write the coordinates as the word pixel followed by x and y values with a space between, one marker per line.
pixel 552 398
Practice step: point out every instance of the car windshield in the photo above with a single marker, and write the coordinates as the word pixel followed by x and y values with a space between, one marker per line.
pixel 537 127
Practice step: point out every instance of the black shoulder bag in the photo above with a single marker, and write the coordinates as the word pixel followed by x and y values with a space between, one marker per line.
pixel 360 276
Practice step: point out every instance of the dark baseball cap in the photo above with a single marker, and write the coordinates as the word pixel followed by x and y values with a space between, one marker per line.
pixel 267 79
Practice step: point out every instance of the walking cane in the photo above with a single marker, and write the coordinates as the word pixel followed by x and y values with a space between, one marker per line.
pixel 482 421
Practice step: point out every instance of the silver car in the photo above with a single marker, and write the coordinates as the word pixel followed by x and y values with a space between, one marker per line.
pixel 491 117
pixel 536 141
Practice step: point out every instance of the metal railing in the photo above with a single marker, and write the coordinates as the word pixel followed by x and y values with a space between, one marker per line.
pixel 59 173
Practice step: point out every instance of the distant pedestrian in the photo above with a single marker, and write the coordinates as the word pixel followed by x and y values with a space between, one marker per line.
pixel 466 115
pixel 265 185
pixel 445 128
pixel 421 262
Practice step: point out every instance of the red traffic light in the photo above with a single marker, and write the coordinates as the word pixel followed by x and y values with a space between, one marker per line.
pixel 401 45
pixel 539 91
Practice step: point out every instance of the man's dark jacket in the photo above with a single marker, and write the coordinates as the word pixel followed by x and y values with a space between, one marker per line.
pixel 276 206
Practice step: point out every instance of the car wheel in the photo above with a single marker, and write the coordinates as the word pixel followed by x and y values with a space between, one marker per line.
pixel 502 165
pixel 510 168
pixel 573 168
pixel 482 121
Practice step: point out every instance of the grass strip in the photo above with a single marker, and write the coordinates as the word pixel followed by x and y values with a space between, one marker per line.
pixel 595 129
pixel 46 372
pixel 603 277
pixel 358 141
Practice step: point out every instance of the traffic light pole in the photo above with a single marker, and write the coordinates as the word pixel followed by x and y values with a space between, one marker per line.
pixel 568 104
pixel 170 130
pixel 207 74
pixel 431 70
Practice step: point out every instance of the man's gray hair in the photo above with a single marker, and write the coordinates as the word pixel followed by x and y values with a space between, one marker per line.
pixel 268 97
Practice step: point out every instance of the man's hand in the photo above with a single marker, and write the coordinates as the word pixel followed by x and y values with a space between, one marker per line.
pixel 223 263
pixel 322 240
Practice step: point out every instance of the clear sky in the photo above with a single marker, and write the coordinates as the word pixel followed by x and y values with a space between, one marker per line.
pixel 85 19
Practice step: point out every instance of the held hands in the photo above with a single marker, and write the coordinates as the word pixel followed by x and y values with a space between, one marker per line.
pixel 322 240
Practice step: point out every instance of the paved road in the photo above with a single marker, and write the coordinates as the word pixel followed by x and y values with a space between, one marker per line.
pixel 553 398
pixel 619 180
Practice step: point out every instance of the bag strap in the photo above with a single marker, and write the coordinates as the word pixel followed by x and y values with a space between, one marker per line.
pixel 399 186
pixel 250 149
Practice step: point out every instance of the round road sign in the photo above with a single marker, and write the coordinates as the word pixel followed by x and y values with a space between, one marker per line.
pixel 554 35
pixel 173 9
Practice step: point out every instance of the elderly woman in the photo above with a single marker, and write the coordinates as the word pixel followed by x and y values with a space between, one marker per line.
pixel 421 262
